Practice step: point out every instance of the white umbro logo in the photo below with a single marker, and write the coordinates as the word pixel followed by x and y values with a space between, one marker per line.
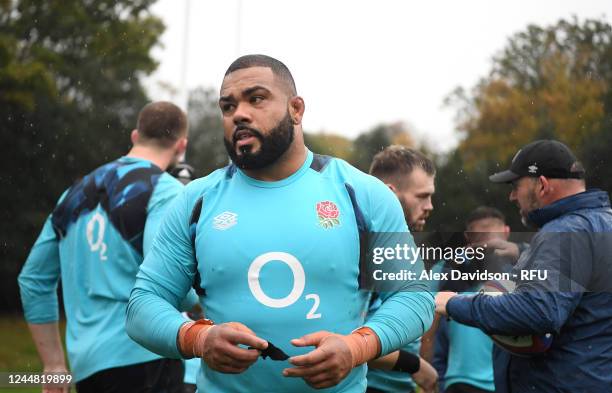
pixel 533 168
pixel 225 220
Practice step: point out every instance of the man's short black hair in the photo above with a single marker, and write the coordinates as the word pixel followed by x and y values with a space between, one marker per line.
pixel 396 161
pixel 162 123
pixel 279 69
pixel 482 212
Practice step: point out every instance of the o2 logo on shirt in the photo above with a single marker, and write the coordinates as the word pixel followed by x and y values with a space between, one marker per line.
pixel 97 244
pixel 299 282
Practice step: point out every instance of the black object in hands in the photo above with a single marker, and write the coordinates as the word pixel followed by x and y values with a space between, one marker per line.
pixel 273 352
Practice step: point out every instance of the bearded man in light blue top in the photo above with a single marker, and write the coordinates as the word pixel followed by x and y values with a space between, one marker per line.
pixel 411 177
pixel 272 244
pixel 95 240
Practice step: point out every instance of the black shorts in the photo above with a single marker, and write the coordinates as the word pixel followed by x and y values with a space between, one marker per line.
pixel 465 388
pixel 374 390
pixel 157 376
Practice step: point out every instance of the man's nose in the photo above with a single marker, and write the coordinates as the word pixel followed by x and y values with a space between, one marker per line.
pixel 242 114
pixel 512 196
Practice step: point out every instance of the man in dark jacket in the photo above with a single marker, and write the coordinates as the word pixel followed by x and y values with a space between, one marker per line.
pixel 573 302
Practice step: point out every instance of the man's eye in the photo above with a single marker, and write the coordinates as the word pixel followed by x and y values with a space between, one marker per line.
pixel 227 107
pixel 256 99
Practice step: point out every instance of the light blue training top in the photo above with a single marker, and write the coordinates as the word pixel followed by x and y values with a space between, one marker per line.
pixel 280 257
pixel 95 240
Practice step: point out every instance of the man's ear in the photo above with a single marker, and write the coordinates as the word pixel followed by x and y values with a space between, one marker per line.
pixel 544 186
pixel 181 146
pixel 134 137
pixel 296 109
pixel 392 188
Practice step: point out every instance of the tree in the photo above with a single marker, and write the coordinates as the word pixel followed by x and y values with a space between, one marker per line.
pixel 70 91
pixel 205 151
pixel 329 144
pixel 367 144
pixel 548 82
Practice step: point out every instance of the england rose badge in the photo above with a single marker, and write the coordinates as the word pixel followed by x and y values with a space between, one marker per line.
pixel 328 214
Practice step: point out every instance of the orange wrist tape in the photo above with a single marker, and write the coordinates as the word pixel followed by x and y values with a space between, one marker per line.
pixel 192 333
pixel 364 345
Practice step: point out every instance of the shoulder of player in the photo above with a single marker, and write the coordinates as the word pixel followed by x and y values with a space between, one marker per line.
pixel 362 183
pixel 343 171
pixel 201 186
pixel 166 187
pixel 167 181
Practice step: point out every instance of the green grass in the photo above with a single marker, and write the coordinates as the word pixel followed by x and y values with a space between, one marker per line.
pixel 17 352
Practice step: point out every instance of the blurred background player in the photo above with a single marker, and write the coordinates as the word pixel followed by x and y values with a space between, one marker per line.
pixel 278 202
pixel 95 240
pixel 572 301
pixel 411 176
pixel 463 355
pixel 486 226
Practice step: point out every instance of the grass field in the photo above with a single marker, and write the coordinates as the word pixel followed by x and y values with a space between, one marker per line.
pixel 17 352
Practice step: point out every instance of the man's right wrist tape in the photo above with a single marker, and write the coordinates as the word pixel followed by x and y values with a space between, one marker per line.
pixel 190 334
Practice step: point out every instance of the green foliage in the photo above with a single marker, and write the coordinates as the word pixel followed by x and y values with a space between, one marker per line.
pixel 369 143
pixel 18 352
pixel 552 82
pixel 205 151
pixel 548 82
pixel 69 94
pixel 329 144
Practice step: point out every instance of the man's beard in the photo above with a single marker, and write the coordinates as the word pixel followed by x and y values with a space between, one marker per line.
pixel 271 148
pixel 415 226
pixel 533 205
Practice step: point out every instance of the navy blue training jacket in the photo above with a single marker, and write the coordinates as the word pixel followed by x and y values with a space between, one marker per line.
pixel 574 247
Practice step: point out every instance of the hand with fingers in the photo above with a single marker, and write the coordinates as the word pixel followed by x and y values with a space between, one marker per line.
pixel 500 247
pixel 218 345
pixel 334 357
pixel 441 301
pixel 426 377
pixel 51 388
pixel 55 389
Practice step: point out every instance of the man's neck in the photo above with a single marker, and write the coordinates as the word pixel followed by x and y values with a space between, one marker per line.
pixel 564 189
pixel 289 163
pixel 160 157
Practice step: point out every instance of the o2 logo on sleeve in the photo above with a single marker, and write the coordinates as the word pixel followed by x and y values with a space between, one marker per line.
pixel 97 244
pixel 299 282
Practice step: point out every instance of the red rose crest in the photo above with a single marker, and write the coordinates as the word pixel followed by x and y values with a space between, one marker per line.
pixel 328 214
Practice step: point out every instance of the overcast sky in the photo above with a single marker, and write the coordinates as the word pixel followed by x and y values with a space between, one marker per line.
pixel 356 63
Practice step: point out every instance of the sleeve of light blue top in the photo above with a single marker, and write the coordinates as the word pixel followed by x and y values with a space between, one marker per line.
pixel 39 277
pixel 165 277
pixel 404 315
